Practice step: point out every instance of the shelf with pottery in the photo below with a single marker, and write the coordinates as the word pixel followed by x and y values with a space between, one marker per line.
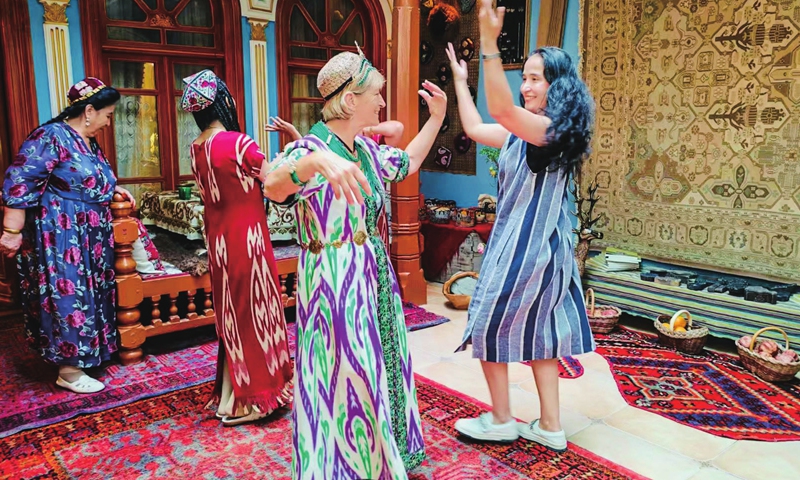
pixel 454 237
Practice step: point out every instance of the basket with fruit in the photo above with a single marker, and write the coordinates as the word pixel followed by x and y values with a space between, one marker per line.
pixel 602 318
pixel 678 332
pixel 767 359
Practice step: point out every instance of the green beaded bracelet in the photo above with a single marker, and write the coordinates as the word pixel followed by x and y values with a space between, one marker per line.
pixel 293 174
pixel 296 179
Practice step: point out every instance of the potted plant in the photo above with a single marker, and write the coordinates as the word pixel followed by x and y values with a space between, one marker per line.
pixel 492 155
pixel 586 222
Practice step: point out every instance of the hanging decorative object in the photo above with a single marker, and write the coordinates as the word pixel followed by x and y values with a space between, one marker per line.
pixel 466 49
pixel 422 102
pixel 443 14
pixel 443 157
pixel 462 143
pixel 443 74
pixel 425 52
pixel 467 5
pixel 445 123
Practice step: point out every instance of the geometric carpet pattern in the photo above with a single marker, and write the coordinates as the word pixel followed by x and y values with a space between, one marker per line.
pixel 697 135
pixel 710 392
pixel 171 436
pixel 29 397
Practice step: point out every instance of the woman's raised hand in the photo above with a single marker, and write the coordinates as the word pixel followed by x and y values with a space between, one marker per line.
pixel 459 68
pixel 345 177
pixel 282 126
pixel 490 20
pixel 435 98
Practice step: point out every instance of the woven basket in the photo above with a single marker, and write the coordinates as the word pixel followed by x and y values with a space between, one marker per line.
pixel 461 302
pixel 602 318
pixel 691 341
pixel 766 368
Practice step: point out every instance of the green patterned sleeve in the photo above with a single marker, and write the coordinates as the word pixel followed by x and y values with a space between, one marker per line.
pixel 295 152
pixel 394 164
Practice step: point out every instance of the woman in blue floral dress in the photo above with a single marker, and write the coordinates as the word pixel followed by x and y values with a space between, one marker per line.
pixel 57 221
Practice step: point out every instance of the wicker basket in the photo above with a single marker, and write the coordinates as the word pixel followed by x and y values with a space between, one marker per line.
pixel 602 318
pixel 691 341
pixel 461 302
pixel 766 368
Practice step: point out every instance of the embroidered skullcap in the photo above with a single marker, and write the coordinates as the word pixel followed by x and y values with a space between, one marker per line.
pixel 84 89
pixel 200 91
pixel 341 70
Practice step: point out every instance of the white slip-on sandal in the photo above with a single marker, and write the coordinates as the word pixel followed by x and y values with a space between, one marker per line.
pixel 233 421
pixel 84 384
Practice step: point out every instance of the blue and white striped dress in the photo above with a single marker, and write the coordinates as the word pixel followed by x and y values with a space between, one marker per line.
pixel 528 303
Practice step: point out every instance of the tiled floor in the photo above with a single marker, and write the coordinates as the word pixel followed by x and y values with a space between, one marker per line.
pixel 596 417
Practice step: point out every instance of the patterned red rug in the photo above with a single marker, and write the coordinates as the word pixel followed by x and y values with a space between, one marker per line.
pixel 30 398
pixel 418 318
pixel 568 367
pixel 711 392
pixel 172 437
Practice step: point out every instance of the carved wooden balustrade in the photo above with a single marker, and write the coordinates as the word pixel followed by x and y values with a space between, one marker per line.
pixel 155 305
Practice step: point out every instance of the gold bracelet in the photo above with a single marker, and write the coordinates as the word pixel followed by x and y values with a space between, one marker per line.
pixel 12 231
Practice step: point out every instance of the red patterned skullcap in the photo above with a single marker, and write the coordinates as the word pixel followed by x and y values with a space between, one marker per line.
pixel 84 89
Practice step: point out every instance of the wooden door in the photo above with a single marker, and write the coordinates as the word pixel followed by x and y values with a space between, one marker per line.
pixel 18 115
pixel 8 270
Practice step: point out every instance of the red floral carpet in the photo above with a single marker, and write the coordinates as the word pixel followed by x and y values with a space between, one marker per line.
pixel 710 392
pixel 170 436
pixel 31 399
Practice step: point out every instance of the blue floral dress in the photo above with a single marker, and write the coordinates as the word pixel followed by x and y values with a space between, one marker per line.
pixel 67 254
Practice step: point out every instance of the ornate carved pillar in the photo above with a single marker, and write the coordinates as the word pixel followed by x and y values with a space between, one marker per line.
pixel 406 243
pixel 59 59
pixel 258 82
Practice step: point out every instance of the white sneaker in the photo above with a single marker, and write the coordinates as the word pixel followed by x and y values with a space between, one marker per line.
pixel 553 440
pixel 484 428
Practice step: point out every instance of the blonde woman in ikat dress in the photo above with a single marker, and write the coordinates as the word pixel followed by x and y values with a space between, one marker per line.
pixel 355 412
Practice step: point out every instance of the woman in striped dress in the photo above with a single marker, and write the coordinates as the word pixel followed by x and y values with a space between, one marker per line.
pixel 528 304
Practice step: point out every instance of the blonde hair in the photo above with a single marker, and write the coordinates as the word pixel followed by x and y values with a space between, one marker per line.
pixel 337 109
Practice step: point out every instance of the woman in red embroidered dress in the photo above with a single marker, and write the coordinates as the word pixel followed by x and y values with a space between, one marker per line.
pixel 254 371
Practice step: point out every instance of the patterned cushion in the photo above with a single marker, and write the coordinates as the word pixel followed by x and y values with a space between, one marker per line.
pixel 145 253
pixel 281 223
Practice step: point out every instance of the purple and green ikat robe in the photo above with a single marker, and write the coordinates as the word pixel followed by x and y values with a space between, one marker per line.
pixel 355 409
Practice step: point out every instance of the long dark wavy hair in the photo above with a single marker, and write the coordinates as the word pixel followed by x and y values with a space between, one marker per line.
pixel 570 108
pixel 103 98
pixel 223 109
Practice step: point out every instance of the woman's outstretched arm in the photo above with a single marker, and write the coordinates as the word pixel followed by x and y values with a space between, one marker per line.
pixel 491 134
